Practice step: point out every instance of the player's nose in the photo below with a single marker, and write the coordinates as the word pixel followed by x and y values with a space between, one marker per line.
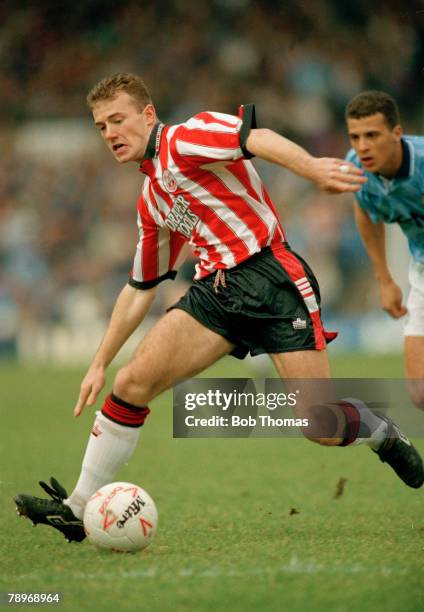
pixel 363 144
pixel 109 132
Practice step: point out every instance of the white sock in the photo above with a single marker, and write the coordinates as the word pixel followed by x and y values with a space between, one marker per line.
pixel 378 436
pixel 376 427
pixel 110 446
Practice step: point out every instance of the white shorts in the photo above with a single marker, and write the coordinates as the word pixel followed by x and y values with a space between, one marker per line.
pixel 414 322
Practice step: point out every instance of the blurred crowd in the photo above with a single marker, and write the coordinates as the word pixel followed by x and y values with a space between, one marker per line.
pixel 67 217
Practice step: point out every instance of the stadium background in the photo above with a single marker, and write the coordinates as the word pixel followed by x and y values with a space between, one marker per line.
pixel 67 210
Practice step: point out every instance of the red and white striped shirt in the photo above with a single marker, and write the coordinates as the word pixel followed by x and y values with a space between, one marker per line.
pixel 201 191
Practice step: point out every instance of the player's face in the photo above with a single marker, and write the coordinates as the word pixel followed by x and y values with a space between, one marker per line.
pixel 124 128
pixel 377 145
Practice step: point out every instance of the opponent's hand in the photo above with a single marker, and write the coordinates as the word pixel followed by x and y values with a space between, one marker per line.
pixel 391 300
pixel 336 175
pixel 92 384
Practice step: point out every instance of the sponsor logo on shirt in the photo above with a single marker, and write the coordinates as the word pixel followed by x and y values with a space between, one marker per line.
pixel 299 323
pixel 181 218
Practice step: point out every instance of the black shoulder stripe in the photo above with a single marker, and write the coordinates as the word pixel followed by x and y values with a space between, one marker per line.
pixel 249 123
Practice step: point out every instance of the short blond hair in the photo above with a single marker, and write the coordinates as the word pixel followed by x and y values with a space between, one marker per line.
pixel 109 87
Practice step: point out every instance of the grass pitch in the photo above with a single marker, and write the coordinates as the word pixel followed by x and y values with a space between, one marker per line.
pixel 244 524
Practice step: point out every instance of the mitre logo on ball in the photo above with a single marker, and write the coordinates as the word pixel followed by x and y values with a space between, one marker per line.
pixel 121 516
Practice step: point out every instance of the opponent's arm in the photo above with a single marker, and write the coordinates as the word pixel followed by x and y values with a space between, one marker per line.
pixel 323 171
pixel 129 311
pixel 373 236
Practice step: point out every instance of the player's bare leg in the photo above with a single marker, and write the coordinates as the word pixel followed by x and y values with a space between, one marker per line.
pixel 306 365
pixel 177 347
pixel 302 364
pixel 350 421
pixel 414 368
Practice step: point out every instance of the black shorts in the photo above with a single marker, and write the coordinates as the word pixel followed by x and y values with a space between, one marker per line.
pixel 270 303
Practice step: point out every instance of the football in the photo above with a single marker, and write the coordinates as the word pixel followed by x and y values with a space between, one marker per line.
pixel 121 516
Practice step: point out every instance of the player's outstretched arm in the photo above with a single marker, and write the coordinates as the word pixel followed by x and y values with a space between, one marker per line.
pixel 373 237
pixel 129 311
pixel 330 174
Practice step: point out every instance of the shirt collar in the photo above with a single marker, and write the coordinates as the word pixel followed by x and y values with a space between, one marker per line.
pixel 152 148
pixel 405 166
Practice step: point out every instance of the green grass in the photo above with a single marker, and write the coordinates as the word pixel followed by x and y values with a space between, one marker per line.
pixel 227 537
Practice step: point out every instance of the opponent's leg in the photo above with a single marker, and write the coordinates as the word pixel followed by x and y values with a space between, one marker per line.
pixel 348 421
pixel 414 367
pixel 414 334
pixel 177 347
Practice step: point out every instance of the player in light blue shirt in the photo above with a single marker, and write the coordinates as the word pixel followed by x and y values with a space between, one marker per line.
pixel 394 193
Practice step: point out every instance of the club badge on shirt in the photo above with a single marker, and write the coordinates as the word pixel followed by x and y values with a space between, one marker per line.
pixel 169 181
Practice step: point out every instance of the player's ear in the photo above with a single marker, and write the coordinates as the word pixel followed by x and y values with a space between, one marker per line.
pixel 397 132
pixel 150 114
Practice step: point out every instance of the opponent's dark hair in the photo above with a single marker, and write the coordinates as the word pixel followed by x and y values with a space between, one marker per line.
pixel 109 87
pixel 371 102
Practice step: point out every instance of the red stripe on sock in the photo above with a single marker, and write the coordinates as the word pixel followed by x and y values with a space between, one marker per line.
pixel 133 417
pixel 353 421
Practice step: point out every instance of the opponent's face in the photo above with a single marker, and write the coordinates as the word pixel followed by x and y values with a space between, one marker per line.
pixel 124 128
pixel 377 145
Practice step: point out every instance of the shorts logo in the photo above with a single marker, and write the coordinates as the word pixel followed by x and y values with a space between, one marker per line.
pixel 299 323
pixel 169 181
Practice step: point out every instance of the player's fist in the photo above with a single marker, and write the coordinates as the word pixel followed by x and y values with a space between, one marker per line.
pixel 336 175
pixel 391 300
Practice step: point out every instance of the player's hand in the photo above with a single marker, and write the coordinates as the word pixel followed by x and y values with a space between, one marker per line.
pixel 93 383
pixel 391 300
pixel 336 175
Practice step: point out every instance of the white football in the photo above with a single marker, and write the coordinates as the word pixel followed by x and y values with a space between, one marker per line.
pixel 121 516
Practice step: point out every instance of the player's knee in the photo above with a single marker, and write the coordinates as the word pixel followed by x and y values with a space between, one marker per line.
pixel 132 388
pixel 416 393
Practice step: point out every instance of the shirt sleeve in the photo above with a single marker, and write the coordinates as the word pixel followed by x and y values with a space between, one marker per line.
pixel 213 137
pixel 159 253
